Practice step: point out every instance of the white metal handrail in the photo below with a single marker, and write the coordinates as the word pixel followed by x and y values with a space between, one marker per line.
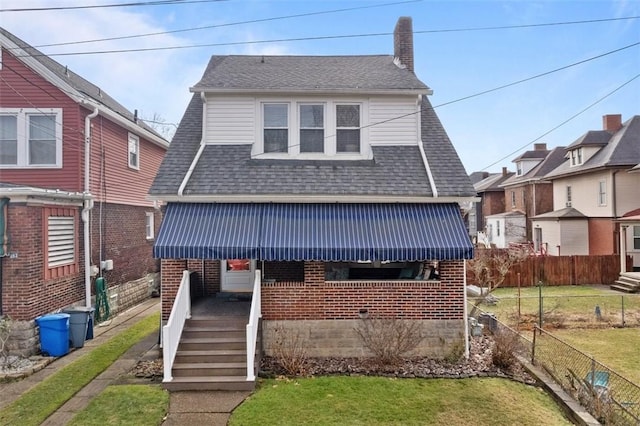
pixel 252 327
pixel 172 331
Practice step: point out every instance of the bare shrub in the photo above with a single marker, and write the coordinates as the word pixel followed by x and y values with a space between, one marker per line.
pixel 289 349
pixel 505 347
pixel 389 338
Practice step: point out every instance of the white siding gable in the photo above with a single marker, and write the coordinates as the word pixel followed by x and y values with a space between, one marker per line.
pixel 394 121
pixel 230 120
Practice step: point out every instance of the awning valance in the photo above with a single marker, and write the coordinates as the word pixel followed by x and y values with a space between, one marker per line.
pixel 328 232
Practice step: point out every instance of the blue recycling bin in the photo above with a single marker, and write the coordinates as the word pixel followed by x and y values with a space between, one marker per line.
pixel 54 334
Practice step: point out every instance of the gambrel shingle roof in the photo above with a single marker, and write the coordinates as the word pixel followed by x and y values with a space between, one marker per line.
pixel 307 74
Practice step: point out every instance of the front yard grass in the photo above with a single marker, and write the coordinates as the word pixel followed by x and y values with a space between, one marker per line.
pixel 391 401
pixel 35 405
pixel 135 405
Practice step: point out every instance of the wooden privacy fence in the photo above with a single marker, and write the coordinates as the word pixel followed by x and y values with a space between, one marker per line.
pixel 561 270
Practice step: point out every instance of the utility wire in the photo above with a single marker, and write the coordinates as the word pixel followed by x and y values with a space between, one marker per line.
pixel 236 43
pixel 329 12
pixel 97 6
pixel 564 122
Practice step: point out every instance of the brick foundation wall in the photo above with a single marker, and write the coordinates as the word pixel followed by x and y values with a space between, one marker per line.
pixel 337 338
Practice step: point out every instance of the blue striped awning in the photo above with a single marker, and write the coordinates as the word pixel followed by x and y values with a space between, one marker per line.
pixel 328 232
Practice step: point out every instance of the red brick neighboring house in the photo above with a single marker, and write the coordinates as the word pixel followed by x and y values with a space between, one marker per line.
pixel 50 120
pixel 527 191
pixel 334 177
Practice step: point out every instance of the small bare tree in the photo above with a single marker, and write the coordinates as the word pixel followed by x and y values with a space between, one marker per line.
pixel 389 338
pixel 491 266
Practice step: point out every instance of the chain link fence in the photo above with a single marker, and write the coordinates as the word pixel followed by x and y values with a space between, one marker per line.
pixel 609 397
pixel 556 312
pixel 605 394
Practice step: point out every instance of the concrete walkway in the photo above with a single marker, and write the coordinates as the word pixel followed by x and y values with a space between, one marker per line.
pixel 212 408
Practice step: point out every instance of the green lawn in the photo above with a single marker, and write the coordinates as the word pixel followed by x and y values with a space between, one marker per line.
pixel 617 348
pixel 38 403
pixel 135 405
pixel 389 401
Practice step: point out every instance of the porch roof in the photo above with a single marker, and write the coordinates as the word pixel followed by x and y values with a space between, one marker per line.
pixel 326 232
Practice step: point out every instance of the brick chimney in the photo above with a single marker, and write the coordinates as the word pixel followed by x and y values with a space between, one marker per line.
pixel 403 41
pixel 504 171
pixel 539 146
pixel 612 122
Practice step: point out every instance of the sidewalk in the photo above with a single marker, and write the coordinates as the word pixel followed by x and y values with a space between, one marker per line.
pixel 9 392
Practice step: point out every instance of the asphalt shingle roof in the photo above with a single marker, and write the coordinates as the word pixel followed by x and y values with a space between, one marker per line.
pixel 622 151
pixel 76 81
pixel 230 170
pixel 307 73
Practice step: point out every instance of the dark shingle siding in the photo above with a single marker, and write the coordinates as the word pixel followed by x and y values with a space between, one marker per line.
pixel 449 174
pixel 308 73
pixel 182 150
pixel 228 170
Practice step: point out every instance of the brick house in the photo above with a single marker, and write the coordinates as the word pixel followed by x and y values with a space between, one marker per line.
pixel 53 123
pixel 527 191
pixel 333 177
pixel 492 201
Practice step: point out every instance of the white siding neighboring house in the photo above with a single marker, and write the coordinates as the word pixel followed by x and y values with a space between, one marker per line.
pixel 506 228
pixel 592 189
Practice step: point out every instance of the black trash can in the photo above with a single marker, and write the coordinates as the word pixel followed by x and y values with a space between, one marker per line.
pixel 78 322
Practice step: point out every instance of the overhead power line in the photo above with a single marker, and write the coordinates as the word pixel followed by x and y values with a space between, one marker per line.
pixel 229 24
pixel 301 15
pixel 565 121
pixel 99 6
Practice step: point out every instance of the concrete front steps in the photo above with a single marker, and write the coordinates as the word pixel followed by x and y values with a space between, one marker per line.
pixel 627 282
pixel 212 356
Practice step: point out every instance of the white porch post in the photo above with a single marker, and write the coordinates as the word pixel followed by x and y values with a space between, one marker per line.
pixel 623 248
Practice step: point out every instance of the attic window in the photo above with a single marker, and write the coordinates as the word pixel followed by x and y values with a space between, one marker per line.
pixel 576 157
pixel 276 127
pixel 519 169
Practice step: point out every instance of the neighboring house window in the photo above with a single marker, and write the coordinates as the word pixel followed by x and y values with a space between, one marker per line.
pixel 30 137
pixel 134 151
pixel 149 226
pixel 602 193
pixel 497 228
pixel 519 169
pixel 311 128
pixel 568 204
pixel 60 242
pixel 276 127
pixel 636 237
pixel 348 128
pixel 576 157
pixel 513 198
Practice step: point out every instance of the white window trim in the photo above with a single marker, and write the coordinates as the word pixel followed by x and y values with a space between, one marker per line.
pixel 137 140
pixel 330 152
pixel 22 124
pixel 602 193
pixel 150 225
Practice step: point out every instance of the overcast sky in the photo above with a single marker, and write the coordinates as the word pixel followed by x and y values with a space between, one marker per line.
pixel 488 130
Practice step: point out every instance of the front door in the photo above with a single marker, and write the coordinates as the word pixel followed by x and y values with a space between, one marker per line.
pixel 237 275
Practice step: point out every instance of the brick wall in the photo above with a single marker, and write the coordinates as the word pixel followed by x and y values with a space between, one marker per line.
pixel 171 271
pixel 315 299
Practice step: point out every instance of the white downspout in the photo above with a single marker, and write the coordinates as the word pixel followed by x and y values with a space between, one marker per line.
pixel 422 153
pixel 194 163
pixel 88 205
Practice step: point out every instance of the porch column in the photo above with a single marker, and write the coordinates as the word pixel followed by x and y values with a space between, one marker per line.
pixel 171 272
pixel 623 248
